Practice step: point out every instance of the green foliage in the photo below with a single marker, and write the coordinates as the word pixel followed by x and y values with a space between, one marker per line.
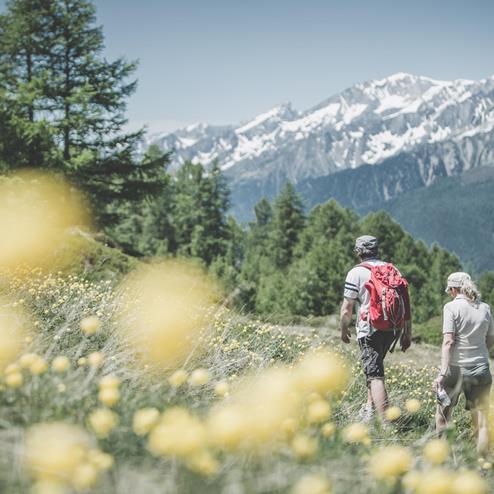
pixel 64 104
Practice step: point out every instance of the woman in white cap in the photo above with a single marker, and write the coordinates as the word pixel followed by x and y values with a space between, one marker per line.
pixel 468 333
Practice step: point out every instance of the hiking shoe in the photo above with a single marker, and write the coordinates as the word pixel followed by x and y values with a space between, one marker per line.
pixel 366 413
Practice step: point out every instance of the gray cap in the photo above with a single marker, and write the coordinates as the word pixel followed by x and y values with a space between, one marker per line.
pixel 366 243
pixel 455 280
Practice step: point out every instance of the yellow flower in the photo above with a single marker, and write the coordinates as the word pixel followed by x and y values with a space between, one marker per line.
pixel 90 325
pixel 356 433
pixel 435 481
pixel 60 363
pixel 109 396
pixel 82 361
pixel 54 451
pixel 411 480
pixel 178 378
pixel 102 421
pixel 436 451
pixel 469 482
pixel 318 411
pixel 390 462
pixel 304 446
pixel 178 434
pixel 328 429
pixel 312 484
pixel 323 372
pixel 109 381
pixel 227 427
pixel 14 380
pixel 203 463
pixel 11 369
pixel 412 405
pixel 221 388
pixel 199 377
pixel 393 413
pixel 95 359
pixel 85 476
pixel 102 461
pixel 144 420
pixel 38 366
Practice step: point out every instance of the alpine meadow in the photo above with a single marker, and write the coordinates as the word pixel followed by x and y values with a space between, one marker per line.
pixel 169 306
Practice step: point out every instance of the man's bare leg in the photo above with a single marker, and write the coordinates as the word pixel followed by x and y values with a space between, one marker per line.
pixel 379 395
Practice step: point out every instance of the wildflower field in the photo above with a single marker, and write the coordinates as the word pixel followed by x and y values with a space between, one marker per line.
pixel 251 408
pixel 120 376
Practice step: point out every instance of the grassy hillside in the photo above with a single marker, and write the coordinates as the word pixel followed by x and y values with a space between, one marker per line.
pixel 184 450
pixel 457 213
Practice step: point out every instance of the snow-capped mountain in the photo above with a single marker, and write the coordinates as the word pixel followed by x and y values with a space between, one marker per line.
pixel 368 123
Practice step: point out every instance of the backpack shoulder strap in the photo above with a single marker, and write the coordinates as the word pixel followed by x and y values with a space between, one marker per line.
pixel 365 265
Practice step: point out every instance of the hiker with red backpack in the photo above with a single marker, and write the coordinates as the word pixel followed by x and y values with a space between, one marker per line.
pixel 380 295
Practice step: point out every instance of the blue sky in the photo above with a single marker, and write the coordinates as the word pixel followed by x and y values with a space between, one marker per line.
pixel 222 62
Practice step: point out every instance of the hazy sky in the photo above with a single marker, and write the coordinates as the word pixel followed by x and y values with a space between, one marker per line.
pixel 220 61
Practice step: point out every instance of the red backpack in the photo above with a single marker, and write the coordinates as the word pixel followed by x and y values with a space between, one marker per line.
pixel 389 300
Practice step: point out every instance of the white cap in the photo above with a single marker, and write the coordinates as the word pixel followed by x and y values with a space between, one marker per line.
pixel 455 280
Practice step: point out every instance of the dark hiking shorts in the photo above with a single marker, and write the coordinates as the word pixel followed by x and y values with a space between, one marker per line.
pixel 474 382
pixel 373 349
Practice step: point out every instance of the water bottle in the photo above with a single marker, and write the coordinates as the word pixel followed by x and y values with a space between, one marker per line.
pixel 442 397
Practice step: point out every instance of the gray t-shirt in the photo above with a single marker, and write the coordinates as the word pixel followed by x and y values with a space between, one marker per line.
pixel 470 322
pixel 355 289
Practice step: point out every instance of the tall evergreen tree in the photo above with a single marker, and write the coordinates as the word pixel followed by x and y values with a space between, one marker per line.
pixel 53 67
pixel 201 200
pixel 287 224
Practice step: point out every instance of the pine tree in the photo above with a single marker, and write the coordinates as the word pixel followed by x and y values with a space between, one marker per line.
pixel 201 200
pixel 287 224
pixel 54 70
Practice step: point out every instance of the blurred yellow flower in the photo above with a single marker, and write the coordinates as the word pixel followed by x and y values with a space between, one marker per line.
pixel 318 411
pixel 177 434
pixel 221 388
pixel 178 378
pixel 393 413
pixel 90 325
pixel 389 462
pixel 435 481
pixel 328 429
pixel 436 451
pixel 109 381
pixel 85 476
pixel 95 359
pixel 54 451
pixel 109 396
pixel 14 380
pixel 144 420
pixel 304 446
pixel 27 359
pixel 322 371
pixel 102 421
pixel 356 433
pixel 38 366
pixel 469 482
pixel 60 363
pixel 312 484
pixel 36 209
pixel 102 461
pixel 199 377
pixel 167 305
pixel 203 463
pixel 412 405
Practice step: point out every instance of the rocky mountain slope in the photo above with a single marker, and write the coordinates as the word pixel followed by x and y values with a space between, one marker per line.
pixel 395 134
